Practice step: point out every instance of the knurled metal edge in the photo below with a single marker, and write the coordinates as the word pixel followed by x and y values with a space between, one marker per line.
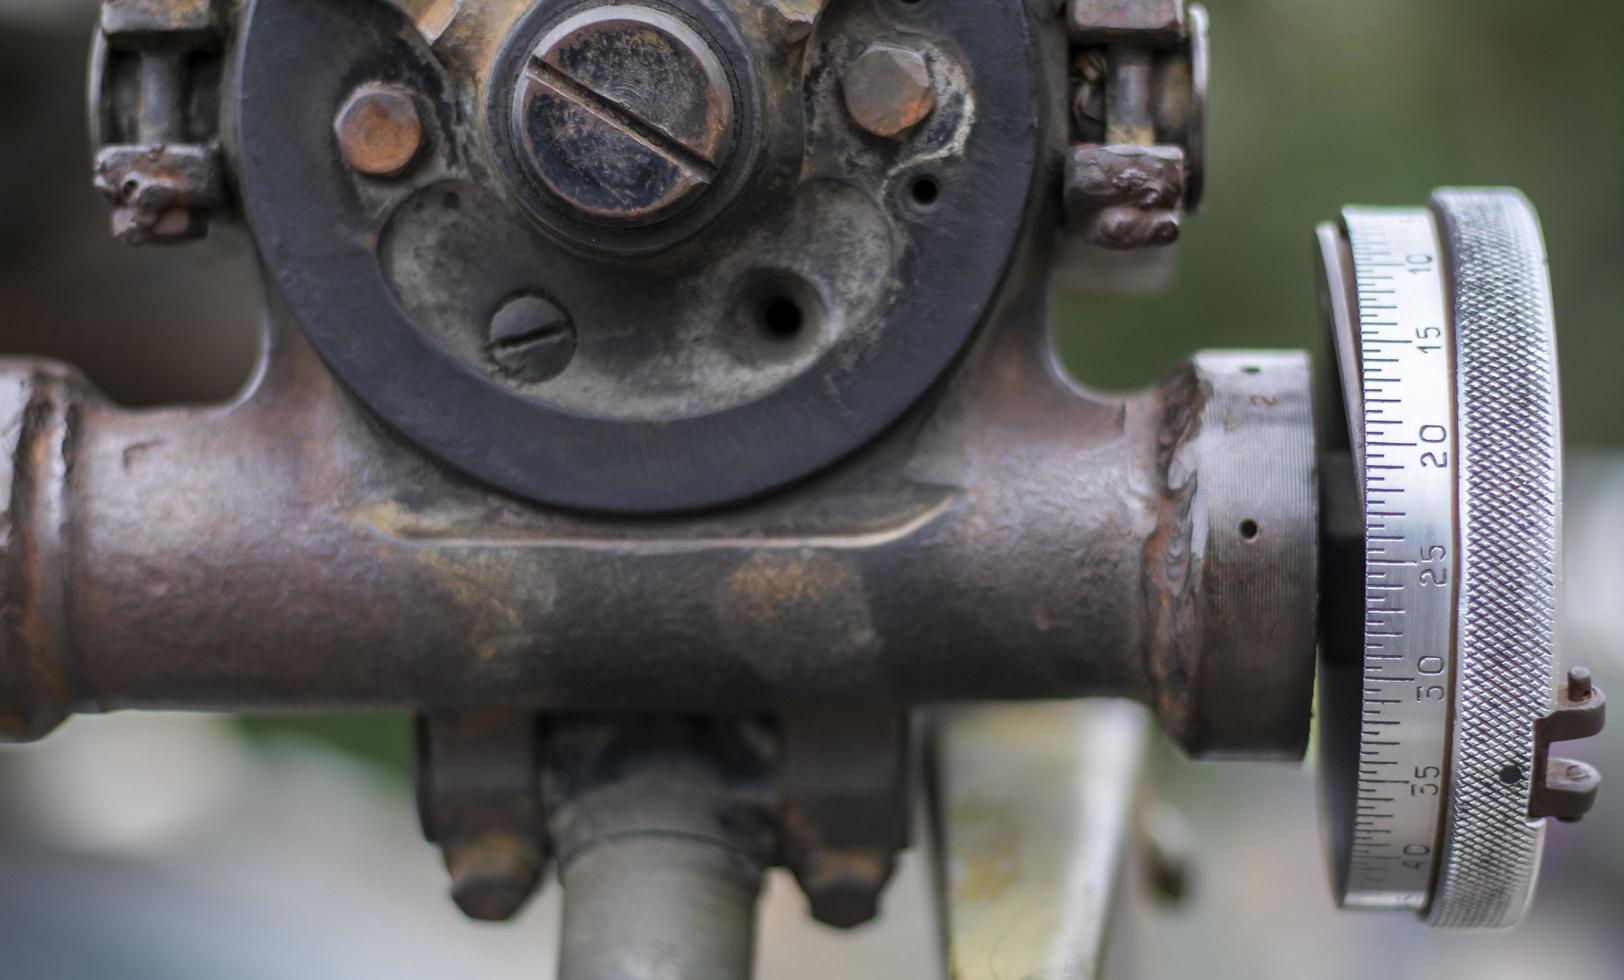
pixel 1509 434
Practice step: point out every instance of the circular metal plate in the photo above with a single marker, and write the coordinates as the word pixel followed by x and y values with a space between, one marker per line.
pixel 410 341
pixel 1443 330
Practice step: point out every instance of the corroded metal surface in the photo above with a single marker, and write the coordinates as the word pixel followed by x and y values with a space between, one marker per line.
pixel 379 130
pixel 38 662
pixel 288 549
pixel 788 297
pixel 154 81
pixel 624 113
pixel 149 19
pixel 844 810
pixel 1143 21
pixel 888 90
pixel 375 578
pixel 1125 196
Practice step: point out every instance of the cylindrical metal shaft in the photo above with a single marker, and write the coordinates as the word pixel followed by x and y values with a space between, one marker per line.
pixel 1128 117
pixel 663 827
pixel 659 908
pixel 162 116
pixel 1023 539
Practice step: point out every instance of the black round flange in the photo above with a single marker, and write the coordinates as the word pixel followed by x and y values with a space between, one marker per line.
pixel 319 228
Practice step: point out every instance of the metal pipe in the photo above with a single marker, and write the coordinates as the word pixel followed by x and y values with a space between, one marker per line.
pixel 663 828
pixel 659 908
pixel 1018 538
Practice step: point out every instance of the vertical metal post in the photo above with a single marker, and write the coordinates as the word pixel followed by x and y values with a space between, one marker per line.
pixel 659 907
pixel 1128 98
pixel 663 829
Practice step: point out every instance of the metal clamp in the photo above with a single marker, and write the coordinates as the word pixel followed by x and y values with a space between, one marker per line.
pixel 154 72
pixel 1566 788
pixel 1139 112
pixel 479 798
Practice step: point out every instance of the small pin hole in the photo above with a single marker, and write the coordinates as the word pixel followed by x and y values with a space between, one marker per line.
pixel 926 192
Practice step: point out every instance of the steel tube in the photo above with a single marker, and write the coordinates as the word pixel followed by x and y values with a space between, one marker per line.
pixel 1018 539
pixel 659 908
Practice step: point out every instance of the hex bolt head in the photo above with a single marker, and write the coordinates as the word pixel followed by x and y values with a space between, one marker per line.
pixel 380 132
pixel 888 91
pixel 531 339
pixel 493 875
pixel 624 115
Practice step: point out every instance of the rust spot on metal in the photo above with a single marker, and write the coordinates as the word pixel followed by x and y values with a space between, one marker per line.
pixel 160 193
pixel 771 588
pixel 36 686
pixel 624 113
pixel 798 17
pixel 888 90
pixel 139 19
pixel 1125 196
pixel 1172 574
pixel 494 874
pixel 379 130
pixel 801 603
pixel 496 624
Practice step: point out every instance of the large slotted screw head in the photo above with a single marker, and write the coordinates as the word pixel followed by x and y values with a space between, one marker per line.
pixel 624 115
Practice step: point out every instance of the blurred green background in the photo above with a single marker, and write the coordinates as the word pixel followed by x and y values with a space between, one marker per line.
pixel 1321 103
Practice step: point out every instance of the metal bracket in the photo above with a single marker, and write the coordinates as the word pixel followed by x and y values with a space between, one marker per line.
pixel 1139 21
pixel 1139 111
pixel 479 798
pixel 153 96
pixel 845 808
pixel 1566 788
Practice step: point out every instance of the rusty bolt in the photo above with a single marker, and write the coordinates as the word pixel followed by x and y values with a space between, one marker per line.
pixel 493 875
pixel 843 885
pixel 624 114
pixel 888 91
pixel 531 339
pixel 379 130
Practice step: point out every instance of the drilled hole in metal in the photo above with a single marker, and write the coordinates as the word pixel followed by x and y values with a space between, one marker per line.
pixel 782 318
pixel 926 192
